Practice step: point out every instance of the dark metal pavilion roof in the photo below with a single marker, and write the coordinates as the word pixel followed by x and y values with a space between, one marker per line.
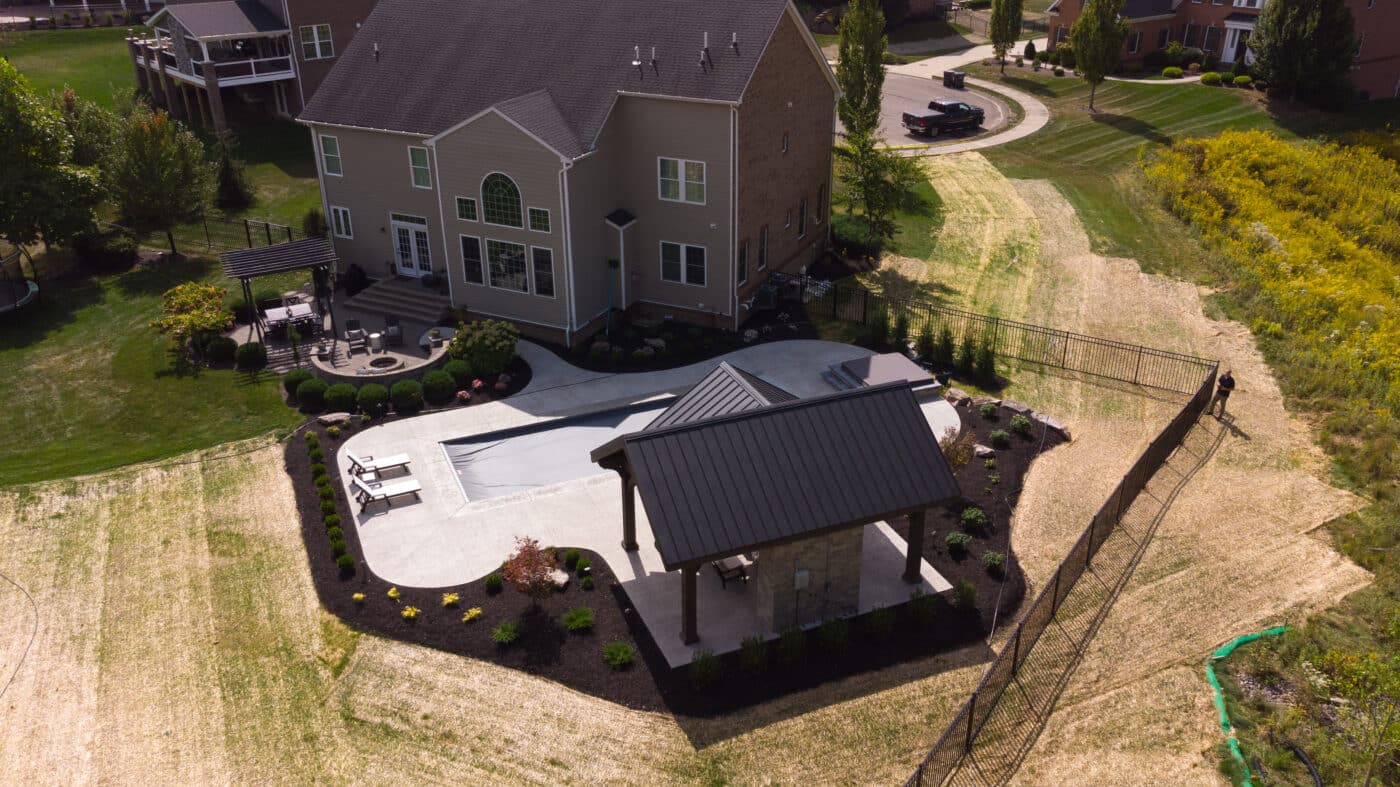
pixel 280 258
pixel 724 391
pixel 783 472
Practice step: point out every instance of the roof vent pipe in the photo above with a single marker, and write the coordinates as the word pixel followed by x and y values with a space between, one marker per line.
pixel 707 42
pixel 734 41
pixel 637 56
pixel 376 51
pixel 653 57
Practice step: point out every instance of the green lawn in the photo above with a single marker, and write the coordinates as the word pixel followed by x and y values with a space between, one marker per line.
pixel 94 62
pixel 88 384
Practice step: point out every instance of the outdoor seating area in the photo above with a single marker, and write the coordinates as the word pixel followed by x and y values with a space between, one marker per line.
pixel 369 484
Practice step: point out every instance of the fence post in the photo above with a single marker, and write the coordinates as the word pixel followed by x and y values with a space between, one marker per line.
pixel 971 714
pixel 208 241
pixel 835 298
pixel 289 233
pixel 1016 648
pixel 1055 596
pixel 248 231
pixel 1138 368
pixel 1089 554
pixel 267 227
pixel 865 306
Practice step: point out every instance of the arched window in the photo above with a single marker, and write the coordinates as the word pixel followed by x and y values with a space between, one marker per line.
pixel 500 201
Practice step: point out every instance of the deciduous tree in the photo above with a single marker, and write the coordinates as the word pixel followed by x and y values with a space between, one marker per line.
pixel 1305 48
pixel 878 181
pixel 191 309
pixel 860 70
pixel 1371 684
pixel 1097 36
pixel 528 570
pixel 157 174
pixel 43 193
pixel 1004 28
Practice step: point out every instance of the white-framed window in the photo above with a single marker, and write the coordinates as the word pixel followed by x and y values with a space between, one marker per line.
pixel 1163 37
pixel 821 204
pixel 1134 42
pixel 316 42
pixel 542 263
pixel 683 263
pixel 741 263
pixel 539 220
pixel 466 209
pixel 341 224
pixel 1061 33
pixel 330 156
pixel 412 253
pixel 786 140
pixel 418 168
pixel 679 180
pixel 471 260
pixel 763 247
pixel 506 264
pixel 1247 3
pixel 500 201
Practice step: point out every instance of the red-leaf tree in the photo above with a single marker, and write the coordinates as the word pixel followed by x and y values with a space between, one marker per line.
pixel 528 569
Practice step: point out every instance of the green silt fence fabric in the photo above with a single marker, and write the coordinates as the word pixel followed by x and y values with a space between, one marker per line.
pixel 1223 652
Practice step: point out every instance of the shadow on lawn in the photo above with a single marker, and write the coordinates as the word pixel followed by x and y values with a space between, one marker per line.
pixel 154 277
pixel 1033 86
pixel 1132 125
pixel 58 306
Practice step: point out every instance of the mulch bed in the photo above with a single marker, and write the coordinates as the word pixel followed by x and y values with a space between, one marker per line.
pixel 868 642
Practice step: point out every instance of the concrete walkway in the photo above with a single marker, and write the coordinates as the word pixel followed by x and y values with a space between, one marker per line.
pixel 1184 80
pixel 443 539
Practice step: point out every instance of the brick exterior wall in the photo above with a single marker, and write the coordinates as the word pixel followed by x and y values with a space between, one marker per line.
pixel 342 16
pixel 788 95
pixel 832 563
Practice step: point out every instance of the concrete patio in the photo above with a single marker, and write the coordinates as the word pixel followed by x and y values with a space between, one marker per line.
pixel 443 539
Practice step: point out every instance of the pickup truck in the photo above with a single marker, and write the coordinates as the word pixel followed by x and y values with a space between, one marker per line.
pixel 943 116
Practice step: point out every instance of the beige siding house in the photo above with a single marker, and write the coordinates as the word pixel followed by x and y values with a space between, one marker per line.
pixel 550 162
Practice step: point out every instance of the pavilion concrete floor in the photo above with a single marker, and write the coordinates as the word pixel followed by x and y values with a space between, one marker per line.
pixel 443 539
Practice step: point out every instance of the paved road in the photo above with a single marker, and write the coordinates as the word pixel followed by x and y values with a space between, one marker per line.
pixel 904 92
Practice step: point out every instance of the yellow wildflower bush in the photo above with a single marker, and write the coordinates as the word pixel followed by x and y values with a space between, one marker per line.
pixel 393 592
pixel 409 613
pixel 450 599
pixel 472 614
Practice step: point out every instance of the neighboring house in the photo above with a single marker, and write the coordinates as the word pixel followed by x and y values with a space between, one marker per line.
pixel 551 161
pixel 275 53
pixel 1222 28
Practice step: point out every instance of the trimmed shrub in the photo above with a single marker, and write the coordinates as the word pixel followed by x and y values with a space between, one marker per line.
pixel 705 669
pixel 792 646
pixel 1210 78
pixel 251 357
pixel 571 559
pixel 1243 80
pixel 311 394
pixel 317 471
pixel 578 619
pixel 1171 72
pixel 753 655
pixel 583 566
pixel 923 608
pixel 833 636
pixel 1021 425
pixel 1059 72
pixel 946 348
pixel 618 655
pixel 924 345
pixel 957 542
pixel 879 624
pixel 315 453
pixel 335 534
pixel 310 438
pixel 337 547
pixel 505 634
pixel 967 356
pixel 460 371
pixel 973 518
pixel 220 350
pixel 986 363
pixel 494 583
pixel 1055 58
pixel 1029 52
pixel 586 583
pixel 879 328
pixel 439 387
pixel 964 595
pixel 346 564
pixel 326 492
pixel 989 410
pixel 330 520
pixel 373 399
pixel 901 331
pixel 1066 54
pixel 340 398
pixel 407 396
pixel 328 510
pixel 487 345
pixel 1000 438
pixel 993 561
pixel 293 379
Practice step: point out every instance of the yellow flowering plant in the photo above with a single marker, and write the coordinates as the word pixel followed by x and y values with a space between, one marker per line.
pixel 472 614
pixel 450 599
pixel 409 613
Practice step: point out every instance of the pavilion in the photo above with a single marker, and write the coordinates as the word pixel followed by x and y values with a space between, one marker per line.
pixel 314 254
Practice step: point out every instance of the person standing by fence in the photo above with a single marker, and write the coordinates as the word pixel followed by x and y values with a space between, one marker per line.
pixel 1223 386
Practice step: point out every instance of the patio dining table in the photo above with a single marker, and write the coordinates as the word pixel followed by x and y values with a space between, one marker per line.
pixel 281 315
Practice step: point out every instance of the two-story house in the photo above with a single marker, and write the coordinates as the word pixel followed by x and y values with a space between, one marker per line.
pixel 270 53
pixel 1222 28
pixel 554 161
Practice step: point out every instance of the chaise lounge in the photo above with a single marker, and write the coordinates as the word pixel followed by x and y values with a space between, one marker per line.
pixel 367 492
pixel 368 464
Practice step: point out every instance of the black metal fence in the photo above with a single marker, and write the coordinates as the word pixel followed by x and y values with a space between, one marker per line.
pixel 1132 363
pixel 958 739
pixel 217 233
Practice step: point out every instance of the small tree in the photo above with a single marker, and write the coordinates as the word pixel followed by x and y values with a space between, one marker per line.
pixel 1372 719
pixel 1004 28
pixel 192 309
pixel 860 70
pixel 878 181
pixel 232 192
pixel 157 173
pixel 1306 48
pixel 92 127
pixel 528 570
pixel 313 224
pixel 1098 35
pixel 1029 51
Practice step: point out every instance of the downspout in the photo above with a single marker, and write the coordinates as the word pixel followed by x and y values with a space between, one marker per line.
pixel 442 220
pixel 292 48
pixel 571 312
pixel 321 179
pixel 622 266
pixel 733 212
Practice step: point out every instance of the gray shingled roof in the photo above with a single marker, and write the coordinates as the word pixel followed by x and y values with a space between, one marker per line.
pixel 553 67
pixel 725 485
pixel 225 18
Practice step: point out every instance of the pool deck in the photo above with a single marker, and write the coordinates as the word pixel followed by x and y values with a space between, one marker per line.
pixel 444 540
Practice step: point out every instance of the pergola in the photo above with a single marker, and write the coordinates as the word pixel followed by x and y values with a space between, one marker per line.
pixel 733 467
pixel 314 254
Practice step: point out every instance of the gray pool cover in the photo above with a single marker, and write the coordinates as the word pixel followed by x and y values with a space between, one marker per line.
pixel 518 460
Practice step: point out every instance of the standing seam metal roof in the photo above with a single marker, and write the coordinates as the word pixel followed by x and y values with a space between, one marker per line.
pixel 278 258
pixel 727 484
pixel 723 391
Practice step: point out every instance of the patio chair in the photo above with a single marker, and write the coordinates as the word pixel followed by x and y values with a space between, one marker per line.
pixel 355 336
pixel 367 492
pixel 393 334
pixel 730 568
pixel 368 464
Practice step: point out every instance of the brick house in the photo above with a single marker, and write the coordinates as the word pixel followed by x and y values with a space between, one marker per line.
pixel 1221 28
pixel 273 53
pixel 549 162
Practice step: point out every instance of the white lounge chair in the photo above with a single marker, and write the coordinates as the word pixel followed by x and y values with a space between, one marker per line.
pixel 368 464
pixel 368 492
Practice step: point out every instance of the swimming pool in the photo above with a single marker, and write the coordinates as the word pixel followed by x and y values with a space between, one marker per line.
pixel 516 460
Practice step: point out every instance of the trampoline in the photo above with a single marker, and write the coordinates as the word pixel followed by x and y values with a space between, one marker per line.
pixel 517 460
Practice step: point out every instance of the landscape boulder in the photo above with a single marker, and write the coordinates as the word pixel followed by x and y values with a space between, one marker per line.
pixel 560 578
pixel 333 419
pixel 958 397
pixel 656 344
pixel 982 452
pixel 1016 407
pixel 1053 424
pixel 978 401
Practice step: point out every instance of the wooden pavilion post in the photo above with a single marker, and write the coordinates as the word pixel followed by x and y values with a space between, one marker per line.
pixel 914 558
pixel 689 631
pixel 629 509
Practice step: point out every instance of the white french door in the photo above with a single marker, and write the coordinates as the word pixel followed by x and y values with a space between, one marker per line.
pixel 410 236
